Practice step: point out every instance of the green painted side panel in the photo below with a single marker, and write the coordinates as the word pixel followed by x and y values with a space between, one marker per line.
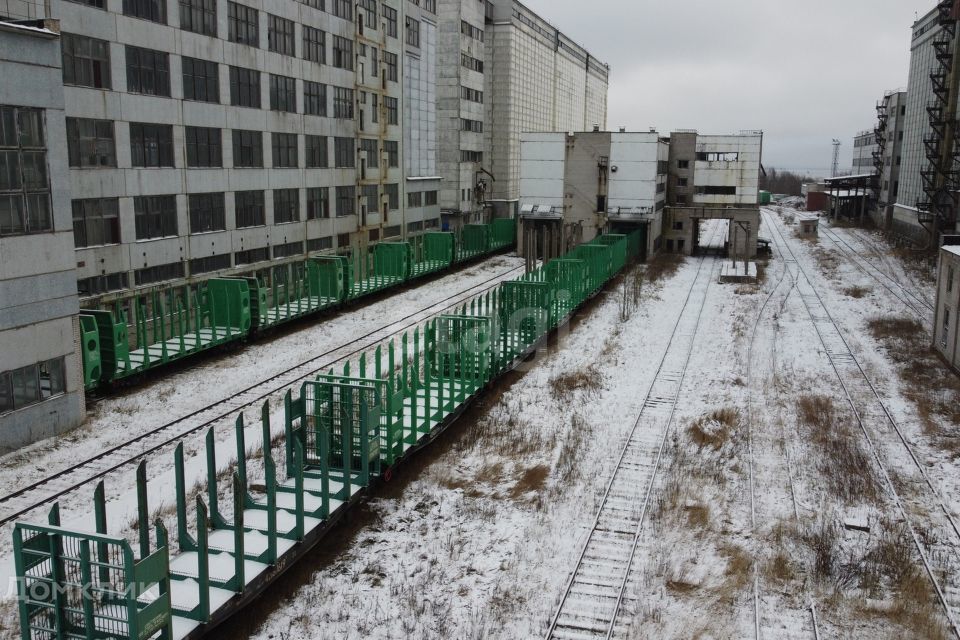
pixel 229 304
pixel 114 342
pixel 503 233
pixel 90 351
pixel 438 247
pixel 332 276
pixel 392 260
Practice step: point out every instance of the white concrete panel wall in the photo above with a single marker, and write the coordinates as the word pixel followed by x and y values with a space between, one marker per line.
pixel 542 164
pixel 634 183
pixel 743 174
pixel 917 124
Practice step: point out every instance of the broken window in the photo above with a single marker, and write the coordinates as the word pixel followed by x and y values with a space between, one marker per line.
pixel 711 190
pixel 718 156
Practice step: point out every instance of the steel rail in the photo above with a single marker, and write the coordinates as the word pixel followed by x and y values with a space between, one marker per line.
pixel 231 404
pixel 898 501
pixel 920 307
pixel 622 458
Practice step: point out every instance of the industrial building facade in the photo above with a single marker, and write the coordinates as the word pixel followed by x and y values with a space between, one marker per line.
pixel 41 383
pixel 890 133
pixel 540 81
pixel 864 146
pixel 218 136
pixel 206 138
pixel 924 201
pixel 576 186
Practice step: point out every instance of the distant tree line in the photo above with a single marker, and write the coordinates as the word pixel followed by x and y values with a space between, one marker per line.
pixel 785 182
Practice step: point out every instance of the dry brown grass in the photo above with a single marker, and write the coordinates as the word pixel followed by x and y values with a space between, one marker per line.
pixel 780 569
pixel 827 261
pixel 588 380
pixel 698 515
pixel 927 382
pixel 665 265
pixel 568 467
pixel 739 572
pixel 857 292
pixel 713 430
pixel 532 481
pixel 847 470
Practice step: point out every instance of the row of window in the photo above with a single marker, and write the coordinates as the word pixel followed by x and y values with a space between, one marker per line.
pixel 471 63
pixel 471 31
pixel 86 62
pixel 24 184
pixel 471 95
pixel 476 126
pixel 91 144
pixel 200 16
pixel 32 384
pixel 106 283
pixel 96 221
pixel 417 199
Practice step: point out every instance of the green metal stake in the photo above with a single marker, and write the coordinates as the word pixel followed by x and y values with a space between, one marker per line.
pixel 323 439
pixel 100 522
pixel 164 584
pixel 270 471
pixel 184 541
pixel 364 439
pixel 86 580
pixel 57 580
pixel 239 492
pixel 143 512
pixel 219 522
pixel 299 490
pixel 241 449
pixel 203 561
pixel 288 429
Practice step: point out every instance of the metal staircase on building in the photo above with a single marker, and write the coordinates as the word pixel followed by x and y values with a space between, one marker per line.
pixel 880 135
pixel 941 179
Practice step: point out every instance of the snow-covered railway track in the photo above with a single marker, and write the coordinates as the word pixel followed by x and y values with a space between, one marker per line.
pixel 591 605
pixel 787 277
pixel 36 494
pixel 934 531
pixel 917 305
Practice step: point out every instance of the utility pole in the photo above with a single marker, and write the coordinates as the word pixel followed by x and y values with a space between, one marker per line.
pixel 836 158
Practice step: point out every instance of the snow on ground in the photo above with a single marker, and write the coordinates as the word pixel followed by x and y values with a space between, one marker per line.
pixel 482 543
pixel 764 467
pixel 116 419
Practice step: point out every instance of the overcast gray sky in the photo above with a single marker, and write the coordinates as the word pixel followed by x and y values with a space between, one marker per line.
pixel 804 72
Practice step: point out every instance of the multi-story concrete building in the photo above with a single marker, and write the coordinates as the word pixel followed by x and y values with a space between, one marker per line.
pixel 420 142
pixel 892 110
pixel 460 107
pixel 216 137
pixel 539 80
pixel 927 167
pixel 576 186
pixel 713 177
pixel 864 146
pixel 503 71
pixel 41 383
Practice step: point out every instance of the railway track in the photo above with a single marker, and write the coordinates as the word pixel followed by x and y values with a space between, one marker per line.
pixel 591 604
pixel 750 429
pixel 39 493
pixel 917 305
pixel 933 531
